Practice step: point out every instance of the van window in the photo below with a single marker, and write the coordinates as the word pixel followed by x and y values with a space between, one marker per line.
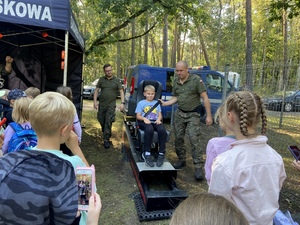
pixel 215 82
pixel 170 81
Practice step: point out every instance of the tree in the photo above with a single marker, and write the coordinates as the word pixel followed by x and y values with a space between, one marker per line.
pixel 249 82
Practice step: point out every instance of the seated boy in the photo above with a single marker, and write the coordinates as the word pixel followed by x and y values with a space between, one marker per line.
pixel 51 115
pixel 152 122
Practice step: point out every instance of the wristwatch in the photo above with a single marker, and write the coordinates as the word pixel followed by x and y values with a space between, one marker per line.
pixel 123 103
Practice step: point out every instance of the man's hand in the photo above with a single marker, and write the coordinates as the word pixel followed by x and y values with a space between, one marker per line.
pixel 208 120
pixel 122 107
pixel 9 59
pixel 96 104
pixel 162 102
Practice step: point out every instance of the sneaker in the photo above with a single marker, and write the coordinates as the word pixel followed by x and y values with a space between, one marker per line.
pixel 160 160
pixel 148 160
pixel 179 164
pixel 106 144
pixel 198 174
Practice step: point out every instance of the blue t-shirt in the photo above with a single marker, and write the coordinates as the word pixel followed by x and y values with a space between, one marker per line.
pixel 143 107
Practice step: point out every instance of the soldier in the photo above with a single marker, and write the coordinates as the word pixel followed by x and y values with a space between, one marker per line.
pixel 5 69
pixel 109 86
pixel 187 91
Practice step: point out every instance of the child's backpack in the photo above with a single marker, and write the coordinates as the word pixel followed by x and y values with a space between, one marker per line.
pixel 22 138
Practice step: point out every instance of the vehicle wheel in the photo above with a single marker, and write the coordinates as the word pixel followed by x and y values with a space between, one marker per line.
pixel 288 107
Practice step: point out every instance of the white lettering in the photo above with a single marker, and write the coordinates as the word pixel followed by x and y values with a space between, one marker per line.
pixel 1 7
pixel 8 7
pixel 34 11
pixel 21 9
pixel 46 14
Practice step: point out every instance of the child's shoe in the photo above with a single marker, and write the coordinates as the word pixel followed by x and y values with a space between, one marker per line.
pixel 148 160
pixel 160 160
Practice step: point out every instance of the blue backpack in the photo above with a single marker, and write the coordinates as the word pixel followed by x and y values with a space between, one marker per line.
pixel 22 138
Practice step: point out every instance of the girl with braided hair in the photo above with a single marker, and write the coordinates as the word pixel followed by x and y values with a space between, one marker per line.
pixel 251 174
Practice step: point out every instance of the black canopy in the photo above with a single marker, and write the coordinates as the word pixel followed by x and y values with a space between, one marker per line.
pixel 35 33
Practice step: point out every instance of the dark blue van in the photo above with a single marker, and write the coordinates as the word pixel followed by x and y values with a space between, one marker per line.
pixel 138 73
pixel 213 81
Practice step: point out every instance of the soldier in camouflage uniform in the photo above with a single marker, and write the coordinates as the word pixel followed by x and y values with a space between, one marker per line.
pixel 5 69
pixel 109 86
pixel 187 91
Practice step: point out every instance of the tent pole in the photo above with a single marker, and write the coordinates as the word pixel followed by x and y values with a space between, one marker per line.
pixel 66 57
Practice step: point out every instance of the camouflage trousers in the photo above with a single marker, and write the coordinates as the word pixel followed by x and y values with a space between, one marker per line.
pixel 189 122
pixel 106 116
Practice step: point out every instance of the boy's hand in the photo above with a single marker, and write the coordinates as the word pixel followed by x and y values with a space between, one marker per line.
pixel 72 142
pixel 94 209
pixel 146 121
pixel 296 164
pixel 157 122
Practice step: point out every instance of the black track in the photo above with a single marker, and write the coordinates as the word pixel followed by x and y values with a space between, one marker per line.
pixel 148 215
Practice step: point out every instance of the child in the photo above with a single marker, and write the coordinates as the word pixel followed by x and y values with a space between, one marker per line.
pixel 67 91
pixel 204 209
pixel 12 96
pixel 149 124
pixel 51 115
pixel 251 174
pixel 20 115
pixel 217 145
pixel 32 92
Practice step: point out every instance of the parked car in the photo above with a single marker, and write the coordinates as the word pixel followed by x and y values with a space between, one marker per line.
pixel 88 90
pixel 291 101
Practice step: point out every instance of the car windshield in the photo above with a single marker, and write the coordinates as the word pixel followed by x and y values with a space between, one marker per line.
pixel 94 83
pixel 287 93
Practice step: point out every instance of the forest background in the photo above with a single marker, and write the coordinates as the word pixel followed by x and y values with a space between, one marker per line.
pixel 258 39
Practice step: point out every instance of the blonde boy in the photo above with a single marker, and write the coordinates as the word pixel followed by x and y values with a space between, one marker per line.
pixel 51 116
pixel 150 122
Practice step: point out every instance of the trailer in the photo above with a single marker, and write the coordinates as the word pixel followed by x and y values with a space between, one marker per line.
pixel 158 193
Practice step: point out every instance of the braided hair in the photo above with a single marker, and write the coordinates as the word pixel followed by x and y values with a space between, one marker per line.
pixel 250 110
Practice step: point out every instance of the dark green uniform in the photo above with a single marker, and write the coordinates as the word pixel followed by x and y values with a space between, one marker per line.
pixel 187 117
pixel 107 103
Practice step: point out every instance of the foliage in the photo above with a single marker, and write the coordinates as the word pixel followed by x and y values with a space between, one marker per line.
pixel 293 7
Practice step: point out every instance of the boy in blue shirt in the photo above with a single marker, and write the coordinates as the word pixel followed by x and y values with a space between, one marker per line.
pixel 149 124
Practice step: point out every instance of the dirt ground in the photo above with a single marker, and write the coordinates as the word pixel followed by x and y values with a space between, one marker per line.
pixel 115 180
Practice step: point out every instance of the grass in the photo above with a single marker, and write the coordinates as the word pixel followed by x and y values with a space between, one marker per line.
pixel 115 180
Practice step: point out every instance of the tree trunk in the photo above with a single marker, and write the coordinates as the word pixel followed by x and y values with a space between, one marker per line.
pixel 285 49
pixel 174 46
pixel 249 82
pixel 133 43
pixel 178 42
pixel 219 35
pixel 119 74
pixel 182 47
pixel 165 42
pixel 146 40
pixel 203 45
